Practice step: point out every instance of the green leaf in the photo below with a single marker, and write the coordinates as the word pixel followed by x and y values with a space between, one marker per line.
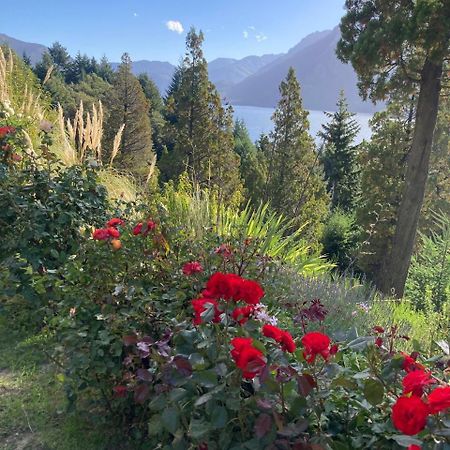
pixel 198 428
pixel 177 394
pixel 203 399
pixel 360 343
pixel 154 425
pixel 219 417
pixel 373 391
pixel 206 378
pixel 406 441
pixel 170 419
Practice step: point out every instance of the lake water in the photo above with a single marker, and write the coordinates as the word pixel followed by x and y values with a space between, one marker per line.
pixel 258 121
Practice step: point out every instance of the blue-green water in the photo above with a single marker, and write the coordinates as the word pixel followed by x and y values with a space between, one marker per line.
pixel 258 121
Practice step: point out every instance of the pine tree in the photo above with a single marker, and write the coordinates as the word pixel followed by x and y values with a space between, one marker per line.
pixel 60 57
pixel 128 105
pixel 105 70
pixel 199 134
pixel 340 157
pixel 253 166
pixel 295 185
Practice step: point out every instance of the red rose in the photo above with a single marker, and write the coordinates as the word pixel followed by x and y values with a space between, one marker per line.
pixel 281 336
pixel 247 358
pixel 378 329
pixel 334 349
pixel 230 286
pixel 200 305
pixel 120 391
pixel 410 363
pixel 239 343
pixel 241 315
pixel 115 222
pixel 100 234
pixel 222 285
pixel 138 228
pixel 6 130
pixel 414 447
pixel 287 343
pixel 415 381
pixel 271 331
pixel 409 415
pixel 192 268
pixel 439 399
pixel 314 344
pixel 113 232
pixel 249 291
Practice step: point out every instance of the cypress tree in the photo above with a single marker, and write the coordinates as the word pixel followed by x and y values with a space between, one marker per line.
pixel 295 185
pixel 199 129
pixel 128 105
pixel 340 157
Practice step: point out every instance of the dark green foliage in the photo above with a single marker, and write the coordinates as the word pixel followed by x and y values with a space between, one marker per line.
pixel 340 157
pixel 382 162
pixel 294 185
pixel 428 283
pixel 199 130
pixel 128 106
pixel 253 166
pixel 340 239
pixel 156 112
pixel 43 215
pixel 60 57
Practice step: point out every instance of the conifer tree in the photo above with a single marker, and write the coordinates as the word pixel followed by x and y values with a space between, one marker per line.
pixel 295 185
pixel 340 157
pixel 60 57
pixel 128 105
pixel 253 165
pixel 200 131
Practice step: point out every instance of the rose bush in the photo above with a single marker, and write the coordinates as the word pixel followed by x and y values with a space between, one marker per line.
pixel 194 358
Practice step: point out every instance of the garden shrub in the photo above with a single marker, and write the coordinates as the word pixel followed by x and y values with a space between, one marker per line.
pixel 185 352
pixel 429 274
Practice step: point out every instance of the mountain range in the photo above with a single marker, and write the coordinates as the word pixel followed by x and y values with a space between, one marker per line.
pixel 254 80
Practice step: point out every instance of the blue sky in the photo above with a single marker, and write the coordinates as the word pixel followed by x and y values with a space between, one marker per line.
pixel 155 29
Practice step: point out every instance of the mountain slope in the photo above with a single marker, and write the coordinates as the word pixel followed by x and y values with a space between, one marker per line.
pixel 320 72
pixel 33 51
pixel 226 72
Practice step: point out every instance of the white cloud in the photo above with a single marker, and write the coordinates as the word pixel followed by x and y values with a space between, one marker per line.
pixel 135 14
pixel 260 37
pixel 245 34
pixel 175 25
pixel 251 27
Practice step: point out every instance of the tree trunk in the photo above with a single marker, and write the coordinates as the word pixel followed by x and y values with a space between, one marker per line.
pixel 396 264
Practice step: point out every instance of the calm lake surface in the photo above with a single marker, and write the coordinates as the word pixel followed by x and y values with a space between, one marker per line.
pixel 258 121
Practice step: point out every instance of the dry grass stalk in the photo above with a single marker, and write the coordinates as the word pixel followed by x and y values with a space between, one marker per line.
pixel 48 74
pixel 116 144
pixel 152 169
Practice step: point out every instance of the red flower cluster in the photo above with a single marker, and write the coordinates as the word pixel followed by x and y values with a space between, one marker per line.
pixel 410 364
pixel 140 228
pixel 415 382
pixel 230 286
pixel 241 315
pixel 103 234
pixel 439 400
pixel 192 268
pixel 410 412
pixel 282 337
pixel 6 130
pixel 120 391
pixel 248 358
pixel 115 222
pixel 200 305
pixel 316 343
